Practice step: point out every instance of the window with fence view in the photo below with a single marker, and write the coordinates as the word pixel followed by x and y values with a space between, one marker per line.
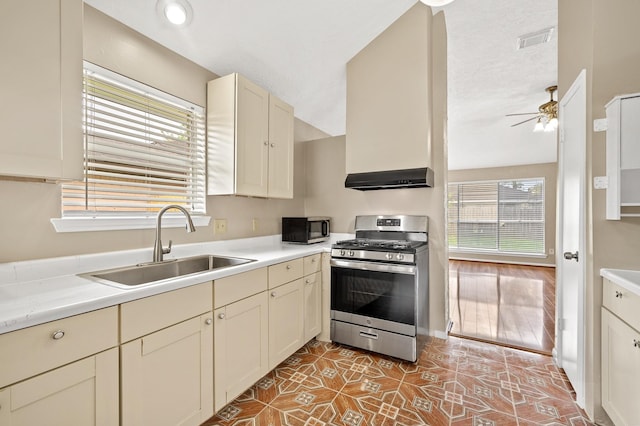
pixel 505 216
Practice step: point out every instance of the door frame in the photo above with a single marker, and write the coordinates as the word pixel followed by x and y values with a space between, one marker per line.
pixel 579 83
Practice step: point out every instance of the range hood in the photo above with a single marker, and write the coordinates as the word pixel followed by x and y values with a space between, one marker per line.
pixel 391 179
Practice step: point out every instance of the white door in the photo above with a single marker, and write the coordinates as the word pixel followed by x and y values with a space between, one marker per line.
pixel 570 324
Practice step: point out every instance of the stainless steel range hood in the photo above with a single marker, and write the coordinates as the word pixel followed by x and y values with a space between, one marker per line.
pixel 391 179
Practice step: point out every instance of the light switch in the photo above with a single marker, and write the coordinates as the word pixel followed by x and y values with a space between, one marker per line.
pixel 600 182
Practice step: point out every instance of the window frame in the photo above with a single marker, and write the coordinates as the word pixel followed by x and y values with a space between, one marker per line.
pixel 89 220
pixel 497 251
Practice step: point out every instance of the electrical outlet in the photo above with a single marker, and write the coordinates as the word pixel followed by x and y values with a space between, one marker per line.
pixel 219 226
pixel 254 224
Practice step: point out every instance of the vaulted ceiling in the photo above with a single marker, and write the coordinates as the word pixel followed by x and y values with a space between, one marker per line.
pixel 298 49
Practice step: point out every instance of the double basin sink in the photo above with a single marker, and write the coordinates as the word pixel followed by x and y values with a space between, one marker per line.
pixel 151 273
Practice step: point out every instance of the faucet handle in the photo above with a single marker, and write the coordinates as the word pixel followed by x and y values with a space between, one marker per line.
pixel 168 249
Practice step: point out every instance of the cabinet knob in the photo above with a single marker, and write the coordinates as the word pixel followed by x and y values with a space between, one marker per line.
pixel 209 321
pixel 273 294
pixel 273 145
pixel 288 267
pixel 618 294
pixel 221 316
pixel 266 143
pixel 308 281
pixel 57 335
pixel 313 260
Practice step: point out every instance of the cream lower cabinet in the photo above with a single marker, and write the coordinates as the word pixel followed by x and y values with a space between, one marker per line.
pixel 286 321
pixel 620 355
pixel 167 375
pixel 241 330
pixel 60 373
pixel 84 392
pixel 312 296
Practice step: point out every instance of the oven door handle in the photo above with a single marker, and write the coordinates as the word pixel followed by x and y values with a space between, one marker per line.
pixel 373 266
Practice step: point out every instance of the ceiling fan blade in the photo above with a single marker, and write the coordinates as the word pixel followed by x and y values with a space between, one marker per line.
pixel 522 122
pixel 522 113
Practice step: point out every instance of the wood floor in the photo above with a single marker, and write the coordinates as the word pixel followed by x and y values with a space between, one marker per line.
pixel 511 305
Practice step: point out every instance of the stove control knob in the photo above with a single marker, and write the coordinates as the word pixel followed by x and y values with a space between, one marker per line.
pixel 389 256
pixel 400 256
pixel 342 252
pixel 351 253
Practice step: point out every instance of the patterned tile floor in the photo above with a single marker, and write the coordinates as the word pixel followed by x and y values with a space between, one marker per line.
pixel 454 382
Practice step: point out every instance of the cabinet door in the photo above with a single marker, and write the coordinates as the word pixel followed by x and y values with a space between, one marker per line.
pixel 280 149
pixel 241 347
pixel 286 321
pixel 312 305
pixel 167 376
pixel 620 371
pixel 41 86
pixel 81 393
pixel 252 138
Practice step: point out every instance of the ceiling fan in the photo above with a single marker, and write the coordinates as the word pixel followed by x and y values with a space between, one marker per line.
pixel 547 114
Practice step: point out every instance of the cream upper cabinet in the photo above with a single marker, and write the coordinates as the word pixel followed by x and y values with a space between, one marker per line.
pixel 241 330
pixel 167 375
pixel 61 372
pixel 249 140
pixel 41 86
pixel 620 354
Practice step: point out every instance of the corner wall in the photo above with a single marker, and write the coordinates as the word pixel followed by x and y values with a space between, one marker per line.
pixel 601 37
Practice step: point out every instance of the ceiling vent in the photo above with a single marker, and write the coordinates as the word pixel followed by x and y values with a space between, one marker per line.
pixel 538 37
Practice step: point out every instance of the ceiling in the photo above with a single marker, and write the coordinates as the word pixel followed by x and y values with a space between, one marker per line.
pixel 298 50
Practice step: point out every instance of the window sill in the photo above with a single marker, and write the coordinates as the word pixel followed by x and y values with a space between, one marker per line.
pixel 88 224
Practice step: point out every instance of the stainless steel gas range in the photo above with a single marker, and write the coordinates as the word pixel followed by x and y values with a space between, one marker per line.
pixel 380 286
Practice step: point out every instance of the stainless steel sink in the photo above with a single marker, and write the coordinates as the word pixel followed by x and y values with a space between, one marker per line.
pixel 150 273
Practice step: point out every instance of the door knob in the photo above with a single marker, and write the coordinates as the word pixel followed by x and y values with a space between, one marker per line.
pixel 568 255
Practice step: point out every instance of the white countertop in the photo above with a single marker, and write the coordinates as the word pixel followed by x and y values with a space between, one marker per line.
pixel 627 279
pixel 39 291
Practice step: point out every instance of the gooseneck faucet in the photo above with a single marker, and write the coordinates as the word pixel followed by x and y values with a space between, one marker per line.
pixel 158 250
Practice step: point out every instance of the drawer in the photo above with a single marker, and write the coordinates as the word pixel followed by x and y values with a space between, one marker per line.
pixel 621 302
pixel 144 316
pixel 312 264
pixel 285 272
pixel 236 287
pixel 313 278
pixel 34 350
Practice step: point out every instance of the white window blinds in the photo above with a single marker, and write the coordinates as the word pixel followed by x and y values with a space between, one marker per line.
pixel 143 149
pixel 504 216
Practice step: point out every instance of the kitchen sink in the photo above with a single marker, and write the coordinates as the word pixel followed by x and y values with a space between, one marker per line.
pixel 151 273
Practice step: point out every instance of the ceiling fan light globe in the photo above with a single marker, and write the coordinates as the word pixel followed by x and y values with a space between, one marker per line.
pixel 539 127
pixel 549 127
pixel 554 122
pixel 436 3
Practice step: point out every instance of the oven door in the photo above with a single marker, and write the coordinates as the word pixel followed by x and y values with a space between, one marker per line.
pixel 371 294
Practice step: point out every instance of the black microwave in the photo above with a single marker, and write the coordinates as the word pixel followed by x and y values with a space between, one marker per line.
pixel 305 230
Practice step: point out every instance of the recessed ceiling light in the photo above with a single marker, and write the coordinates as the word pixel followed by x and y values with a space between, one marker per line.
pixel 176 12
pixel 436 3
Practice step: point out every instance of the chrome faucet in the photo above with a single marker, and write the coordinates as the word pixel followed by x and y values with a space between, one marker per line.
pixel 158 250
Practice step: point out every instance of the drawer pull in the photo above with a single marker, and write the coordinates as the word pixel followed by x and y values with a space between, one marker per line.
pixel 208 321
pixel 273 294
pixel 313 260
pixel 618 294
pixel 221 316
pixel 308 281
pixel 368 335
pixel 288 267
pixel 57 335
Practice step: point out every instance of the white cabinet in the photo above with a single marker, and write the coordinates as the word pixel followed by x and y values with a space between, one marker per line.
pixel 286 321
pixel 167 375
pixel 41 86
pixel 312 296
pixel 61 372
pixel 623 156
pixel 241 334
pixel 249 140
pixel 620 354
